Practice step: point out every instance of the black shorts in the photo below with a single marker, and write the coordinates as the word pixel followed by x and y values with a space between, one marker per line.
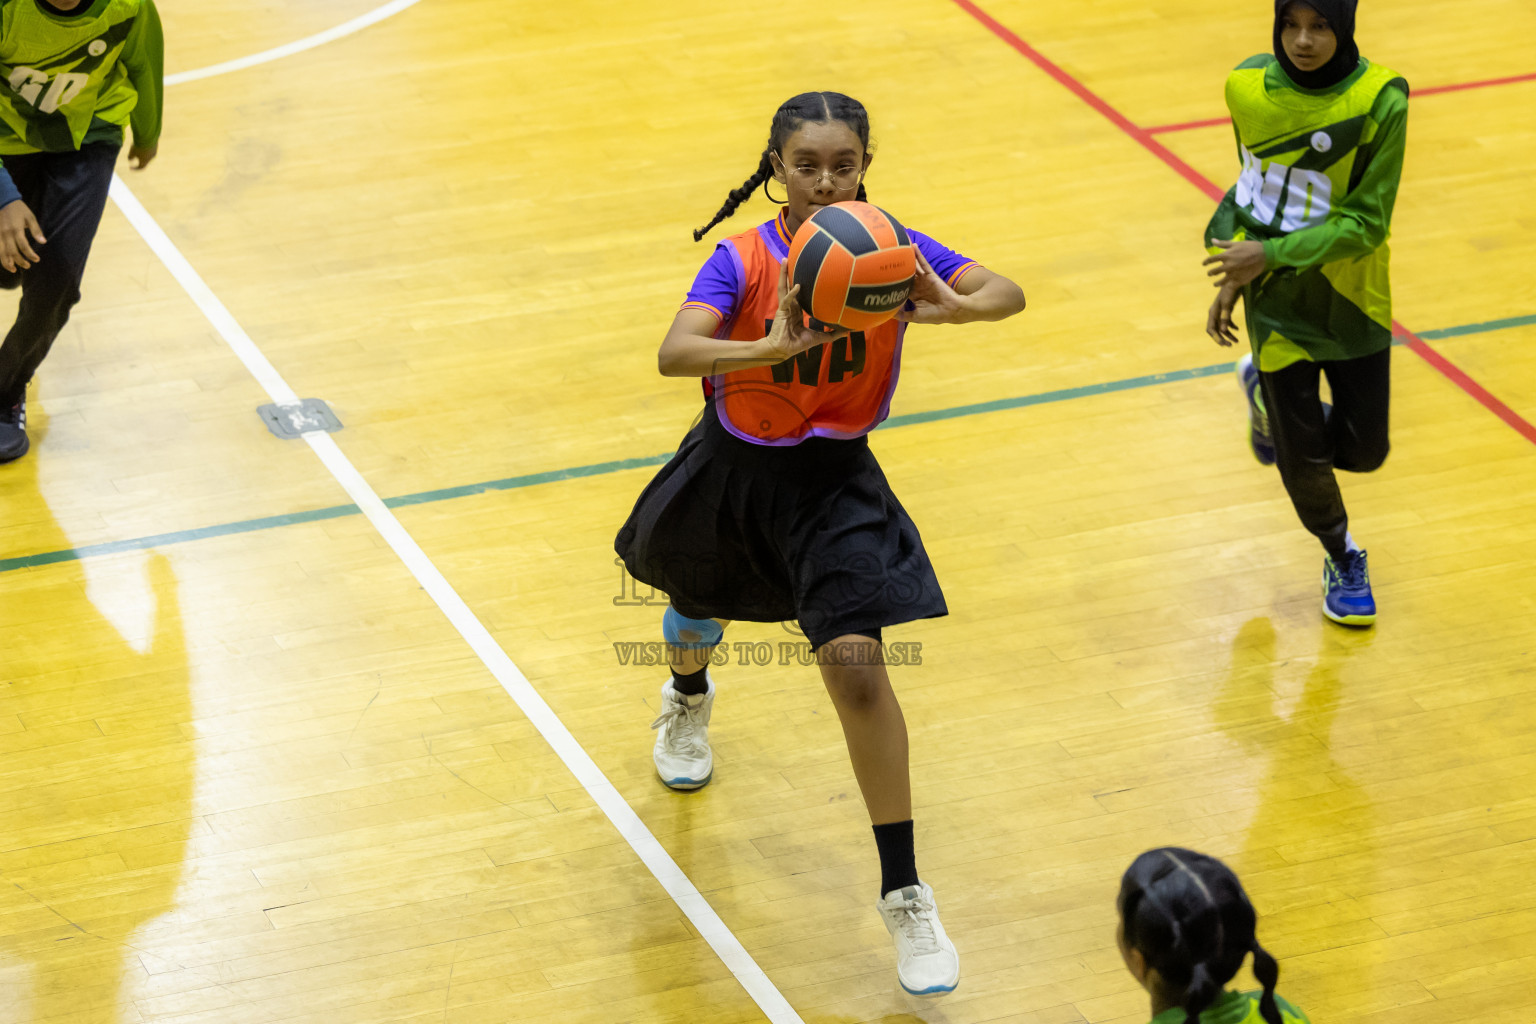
pixel 812 532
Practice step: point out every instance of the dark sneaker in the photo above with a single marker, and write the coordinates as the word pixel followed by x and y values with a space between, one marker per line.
pixel 1258 421
pixel 1347 595
pixel 13 432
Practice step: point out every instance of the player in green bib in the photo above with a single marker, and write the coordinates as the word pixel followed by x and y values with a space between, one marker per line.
pixel 73 75
pixel 1302 237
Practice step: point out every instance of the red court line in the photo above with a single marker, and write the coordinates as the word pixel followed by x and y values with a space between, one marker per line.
pixel 1451 371
pixel 1120 121
pixel 1466 383
pixel 1429 91
pixel 1187 125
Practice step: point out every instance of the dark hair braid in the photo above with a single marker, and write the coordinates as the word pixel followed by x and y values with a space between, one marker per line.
pixel 817 107
pixel 1200 992
pixel 1188 915
pixel 737 196
pixel 1268 972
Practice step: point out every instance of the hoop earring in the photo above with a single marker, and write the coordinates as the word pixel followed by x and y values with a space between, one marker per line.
pixel 769 195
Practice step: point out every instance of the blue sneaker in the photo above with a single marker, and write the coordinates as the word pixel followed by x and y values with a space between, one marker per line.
pixel 1347 591
pixel 13 432
pixel 1258 421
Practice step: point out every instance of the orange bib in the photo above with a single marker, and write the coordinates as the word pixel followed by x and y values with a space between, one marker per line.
pixel 839 389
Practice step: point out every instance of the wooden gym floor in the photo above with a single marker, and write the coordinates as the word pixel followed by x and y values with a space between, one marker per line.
pixel 253 772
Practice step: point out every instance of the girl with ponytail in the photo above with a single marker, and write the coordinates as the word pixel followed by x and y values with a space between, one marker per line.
pixel 775 510
pixel 1186 926
pixel 822 107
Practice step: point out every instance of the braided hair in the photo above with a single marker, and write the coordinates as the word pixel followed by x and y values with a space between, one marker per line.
pixel 818 107
pixel 1188 915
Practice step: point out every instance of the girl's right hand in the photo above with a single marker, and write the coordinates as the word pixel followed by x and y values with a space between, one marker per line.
pixel 789 335
pixel 16 220
pixel 1218 322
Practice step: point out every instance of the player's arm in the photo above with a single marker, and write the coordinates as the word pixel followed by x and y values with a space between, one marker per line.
pixel 144 60
pixel 690 348
pixel 988 296
pixel 1223 224
pixel 978 294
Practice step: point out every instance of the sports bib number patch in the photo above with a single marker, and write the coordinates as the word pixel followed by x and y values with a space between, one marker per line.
pixel 45 93
pixel 1307 195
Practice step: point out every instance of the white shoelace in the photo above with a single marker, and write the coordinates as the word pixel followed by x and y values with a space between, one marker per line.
pixel 684 726
pixel 916 925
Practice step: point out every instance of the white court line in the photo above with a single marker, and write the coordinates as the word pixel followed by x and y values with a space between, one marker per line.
pixel 346 28
pixel 592 779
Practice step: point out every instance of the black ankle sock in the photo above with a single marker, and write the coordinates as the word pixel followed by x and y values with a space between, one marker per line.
pixel 898 861
pixel 692 684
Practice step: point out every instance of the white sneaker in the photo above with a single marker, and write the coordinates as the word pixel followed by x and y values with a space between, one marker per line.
pixel 682 755
pixel 926 961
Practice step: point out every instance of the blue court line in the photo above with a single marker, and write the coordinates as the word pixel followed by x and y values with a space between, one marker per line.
pixel 512 483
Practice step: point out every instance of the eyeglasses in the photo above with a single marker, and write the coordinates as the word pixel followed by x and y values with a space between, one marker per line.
pixel 844 179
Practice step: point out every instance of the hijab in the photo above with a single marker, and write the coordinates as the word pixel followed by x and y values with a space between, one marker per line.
pixel 1346 57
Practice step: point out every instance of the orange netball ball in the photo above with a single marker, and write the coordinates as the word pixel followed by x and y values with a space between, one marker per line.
pixel 854 264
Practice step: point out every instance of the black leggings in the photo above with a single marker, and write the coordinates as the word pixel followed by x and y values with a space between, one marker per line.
pixel 1309 445
pixel 66 193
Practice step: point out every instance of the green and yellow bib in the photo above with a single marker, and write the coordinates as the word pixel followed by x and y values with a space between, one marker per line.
pixel 1319 175
pixel 59 72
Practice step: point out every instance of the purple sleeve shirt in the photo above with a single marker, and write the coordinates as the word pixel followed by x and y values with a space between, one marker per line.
pixel 948 264
pixel 720 282
pixel 722 278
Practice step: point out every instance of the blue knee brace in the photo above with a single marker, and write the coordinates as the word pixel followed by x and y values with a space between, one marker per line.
pixel 673 626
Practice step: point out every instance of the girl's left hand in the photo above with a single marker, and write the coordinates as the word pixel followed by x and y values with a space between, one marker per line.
pixel 1238 264
pixel 932 301
pixel 1218 321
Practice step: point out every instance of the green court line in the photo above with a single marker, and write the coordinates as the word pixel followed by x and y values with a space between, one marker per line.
pixel 1105 388
pixel 1487 325
pixel 603 468
pixel 512 483
pixel 177 537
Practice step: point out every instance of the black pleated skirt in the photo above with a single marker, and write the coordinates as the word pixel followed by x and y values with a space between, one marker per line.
pixel 812 533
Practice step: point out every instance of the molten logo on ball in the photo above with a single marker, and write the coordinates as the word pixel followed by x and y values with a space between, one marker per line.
pixel 883 301
pixel 854 264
